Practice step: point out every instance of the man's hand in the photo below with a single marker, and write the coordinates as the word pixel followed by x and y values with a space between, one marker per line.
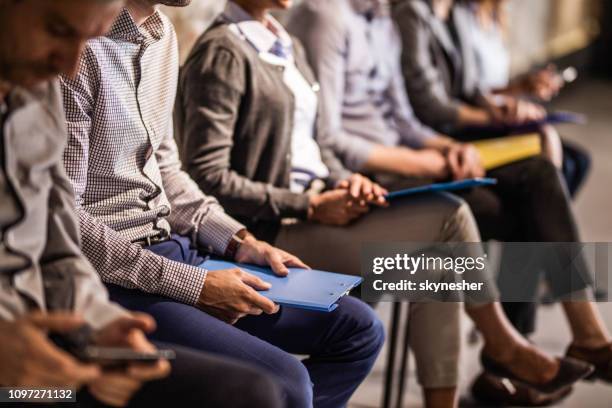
pixel 258 252
pixel 117 388
pixel 464 162
pixel 29 359
pixel 364 190
pixel 335 207
pixel 231 294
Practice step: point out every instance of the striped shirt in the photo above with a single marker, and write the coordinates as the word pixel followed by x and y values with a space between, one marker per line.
pixel 123 162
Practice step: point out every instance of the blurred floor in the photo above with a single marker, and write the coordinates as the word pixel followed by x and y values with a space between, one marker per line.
pixel 593 207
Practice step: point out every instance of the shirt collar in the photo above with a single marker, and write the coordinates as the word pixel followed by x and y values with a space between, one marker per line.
pixel 125 28
pixel 255 32
pixel 371 8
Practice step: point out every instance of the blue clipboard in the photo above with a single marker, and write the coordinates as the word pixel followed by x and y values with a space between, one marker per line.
pixel 302 289
pixel 439 187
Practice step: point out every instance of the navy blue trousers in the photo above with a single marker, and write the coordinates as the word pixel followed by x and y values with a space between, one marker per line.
pixel 340 346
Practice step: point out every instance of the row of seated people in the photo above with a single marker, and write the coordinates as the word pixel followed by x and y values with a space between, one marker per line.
pixel 261 149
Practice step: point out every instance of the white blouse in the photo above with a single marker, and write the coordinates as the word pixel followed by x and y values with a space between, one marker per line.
pixel 306 164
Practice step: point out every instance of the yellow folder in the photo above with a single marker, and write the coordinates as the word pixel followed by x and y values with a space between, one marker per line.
pixel 505 150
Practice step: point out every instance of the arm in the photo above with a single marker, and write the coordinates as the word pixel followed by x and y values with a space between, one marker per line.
pixel 424 83
pixel 325 41
pixel 114 257
pixel 412 132
pixel 212 86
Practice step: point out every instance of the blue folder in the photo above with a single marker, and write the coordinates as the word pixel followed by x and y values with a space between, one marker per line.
pixel 438 187
pixel 302 289
pixel 553 118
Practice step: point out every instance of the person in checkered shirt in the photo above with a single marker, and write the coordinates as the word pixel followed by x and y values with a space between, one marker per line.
pixel 147 226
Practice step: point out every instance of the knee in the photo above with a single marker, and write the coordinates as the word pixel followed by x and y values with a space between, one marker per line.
pixel 541 170
pixel 296 386
pixel 263 391
pixel 367 330
pixel 459 222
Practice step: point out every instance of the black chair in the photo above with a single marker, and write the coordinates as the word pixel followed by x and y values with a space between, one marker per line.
pixel 390 380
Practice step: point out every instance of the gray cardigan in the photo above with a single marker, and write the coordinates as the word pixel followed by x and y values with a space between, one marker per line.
pixel 234 129
pixel 439 66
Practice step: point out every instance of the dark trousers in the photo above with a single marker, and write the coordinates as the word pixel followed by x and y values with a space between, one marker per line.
pixel 529 204
pixel 340 346
pixel 202 380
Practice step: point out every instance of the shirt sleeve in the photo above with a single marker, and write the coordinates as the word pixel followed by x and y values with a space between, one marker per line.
pixel 116 259
pixel 412 132
pixel 423 80
pixel 324 39
pixel 62 252
pixel 194 214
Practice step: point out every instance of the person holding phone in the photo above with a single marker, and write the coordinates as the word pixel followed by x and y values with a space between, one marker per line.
pixel 48 289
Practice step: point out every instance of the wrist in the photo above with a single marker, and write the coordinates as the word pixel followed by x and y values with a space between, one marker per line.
pixel 313 204
pixel 235 243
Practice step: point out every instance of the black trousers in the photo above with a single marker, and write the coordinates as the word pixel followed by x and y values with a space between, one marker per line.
pixel 530 203
pixel 199 380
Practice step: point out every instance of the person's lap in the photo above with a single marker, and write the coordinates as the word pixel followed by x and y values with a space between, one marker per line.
pixel 349 337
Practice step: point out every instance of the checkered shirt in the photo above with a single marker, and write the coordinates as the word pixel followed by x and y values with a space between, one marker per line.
pixel 123 162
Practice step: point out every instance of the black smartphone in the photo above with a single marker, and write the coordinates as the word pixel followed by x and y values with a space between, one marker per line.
pixel 78 343
pixel 118 357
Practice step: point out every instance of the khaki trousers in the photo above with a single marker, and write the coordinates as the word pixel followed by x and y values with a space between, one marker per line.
pixel 434 326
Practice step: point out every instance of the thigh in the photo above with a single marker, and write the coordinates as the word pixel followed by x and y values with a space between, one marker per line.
pixel 204 380
pixel 190 327
pixel 308 332
pixel 496 219
pixel 421 220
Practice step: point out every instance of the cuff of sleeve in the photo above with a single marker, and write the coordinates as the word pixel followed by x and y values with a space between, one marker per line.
pixel 359 153
pixel 293 205
pixel 338 176
pixel 217 230
pixel 426 133
pixel 182 282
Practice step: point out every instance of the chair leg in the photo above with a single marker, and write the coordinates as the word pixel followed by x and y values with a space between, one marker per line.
pixel 403 363
pixel 390 364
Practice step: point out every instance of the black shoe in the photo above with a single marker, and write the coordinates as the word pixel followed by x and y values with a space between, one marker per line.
pixel 491 390
pixel 570 372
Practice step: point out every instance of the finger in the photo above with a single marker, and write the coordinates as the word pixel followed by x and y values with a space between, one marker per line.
pixel 137 320
pixel 356 183
pixel 276 263
pixel 254 282
pixel 453 162
pixel 64 366
pixel 114 391
pixel 57 321
pixel 261 302
pixel 367 187
pixel 295 262
pixel 149 372
pixel 255 311
pixel 344 184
